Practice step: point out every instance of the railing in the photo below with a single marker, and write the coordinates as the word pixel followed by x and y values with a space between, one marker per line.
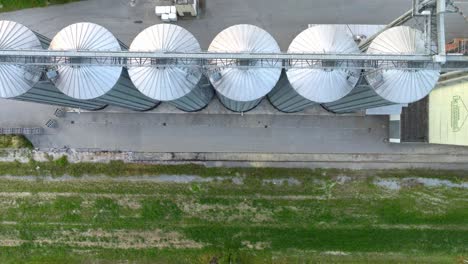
pixel 208 60
pixel 22 131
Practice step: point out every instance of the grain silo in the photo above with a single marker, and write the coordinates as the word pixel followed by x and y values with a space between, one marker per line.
pixel 381 87
pixel 86 79
pixel 178 82
pixel 23 82
pixel 305 84
pixel 242 84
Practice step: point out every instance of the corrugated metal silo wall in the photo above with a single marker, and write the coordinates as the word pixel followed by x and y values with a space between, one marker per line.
pixel 238 106
pixel 242 89
pixel 197 99
pixel 183 86
pixel 284 98
pixel 124 94
pixel 361 97
pixel 44 92
pixel 45 41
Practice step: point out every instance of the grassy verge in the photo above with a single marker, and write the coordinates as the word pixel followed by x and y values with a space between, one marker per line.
pixel 12 5
pixel 241 217
pixel 15 141
pixel 62 166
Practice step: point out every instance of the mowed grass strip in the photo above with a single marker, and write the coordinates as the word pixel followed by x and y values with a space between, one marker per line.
pixel 29 253
pixel 14 142
pixel 297 244
pixel 12 5
pixel 62 167
pixel 321 216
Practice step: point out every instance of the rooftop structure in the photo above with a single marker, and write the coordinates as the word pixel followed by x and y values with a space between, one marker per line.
pixel 179 82
pixel 242 88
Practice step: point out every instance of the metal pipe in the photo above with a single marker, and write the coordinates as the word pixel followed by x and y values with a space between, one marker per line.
pixel 441 8
pixel 449 75
pixel 205 59
pixel 6 55
pixel 397 22
pixel 420 4
pixel 415 7
pixel 428 31
pixel 361 66
pixel 454 80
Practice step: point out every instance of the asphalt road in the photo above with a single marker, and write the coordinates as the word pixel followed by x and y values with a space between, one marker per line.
pixel 218 133
pixel 259 131
pixel 283 19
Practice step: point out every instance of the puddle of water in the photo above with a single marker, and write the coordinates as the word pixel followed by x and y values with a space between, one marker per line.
pixel 439 183
pixel 389 184
pixel 392 184
pixel 342 179
pixel 319 182
pixel 335 253
pixel 396 184
pixel 288 181
pixel 238 181
pixel 154 179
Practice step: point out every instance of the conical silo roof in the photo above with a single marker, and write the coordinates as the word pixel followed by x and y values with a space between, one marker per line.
pixel 401 86
pixel 323 85
pixel 165 83
pixel 249 82
pixel 86 81
pixel 16 80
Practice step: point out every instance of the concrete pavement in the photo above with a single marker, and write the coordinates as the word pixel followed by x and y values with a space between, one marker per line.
pixel 218 133
pixel 253 132
pixel 454 160
pixel 283 19
pixel 23 114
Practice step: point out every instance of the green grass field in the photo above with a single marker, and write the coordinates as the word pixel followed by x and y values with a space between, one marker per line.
pixel 11 5
pixel 229 215
pixel 14 141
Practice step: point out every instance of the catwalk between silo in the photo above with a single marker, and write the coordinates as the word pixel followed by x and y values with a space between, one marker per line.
pixel 242 84
pixel 178 82
pixel 90 78
pixel 307 83
pixel 27 82
pixel 382 86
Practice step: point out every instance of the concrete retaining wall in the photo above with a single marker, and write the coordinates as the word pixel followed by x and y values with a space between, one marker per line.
pixel 345 161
